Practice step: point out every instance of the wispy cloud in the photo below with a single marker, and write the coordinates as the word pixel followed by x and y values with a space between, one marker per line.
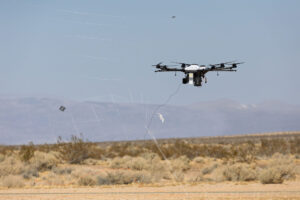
pixel 101 78
pixel 95 57
pixel 88 37
pixel 76 12
pixel 87 23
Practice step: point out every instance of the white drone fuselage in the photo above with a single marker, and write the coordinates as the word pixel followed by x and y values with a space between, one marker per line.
pixel 194 68
pixel 191 69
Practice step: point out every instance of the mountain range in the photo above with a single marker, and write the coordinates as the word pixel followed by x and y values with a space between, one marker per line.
pixel 25 119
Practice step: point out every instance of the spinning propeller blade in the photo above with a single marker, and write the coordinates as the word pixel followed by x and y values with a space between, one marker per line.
pixel 158 64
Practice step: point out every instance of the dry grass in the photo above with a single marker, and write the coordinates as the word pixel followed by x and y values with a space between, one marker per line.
pixel 12 181
pixel 44 161
pixel 280 168
pixel 180 164
pixel 83 163
pixel 124 177
pixel 11 165
pixel 210 168
pixel 239 172
pixel 87 180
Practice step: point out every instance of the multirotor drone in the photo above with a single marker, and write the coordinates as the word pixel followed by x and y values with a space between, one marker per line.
pixel 195 73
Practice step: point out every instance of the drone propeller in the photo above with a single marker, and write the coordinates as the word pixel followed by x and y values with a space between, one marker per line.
pixel 183 65
pixel 222 65
pixel 234 65
pixel 237 63
pixel 158 64
pixel 225 63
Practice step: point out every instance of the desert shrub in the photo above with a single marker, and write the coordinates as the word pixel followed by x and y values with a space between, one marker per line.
pixel 199 160
pixel 209 169
pixel 12 181
pixel 124 149
pixel 81 172
pixel 26 152
pixel 51 178
pixel 30 172
pixel 44 161
pixel 95 152
pixel 84 177
pixel 11 165
pixel 77 150
pixel 180 164
pixel 197 178
pixel 86 181
pixel 239 172
pixel 182 148
pixel 90 161
pixel 127 162
pixel 114 178
pixel 62 170
pixel 178 175
pixel 74 151
pixel 124 177
pixel 141 177
pixel 138 163
pixel 212 150
pixel 270 146
pixel 2 157
pixel 160 169
pixel 243 152
pixel 271 176
pixel 4 150
pixel 285 162
pixel 102 180
pixel 280 168
pixel 118 162
pixel 149 155
pixel 218 174
pixel 295 146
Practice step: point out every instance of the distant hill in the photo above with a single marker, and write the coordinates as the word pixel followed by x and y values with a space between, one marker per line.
pixel 40 120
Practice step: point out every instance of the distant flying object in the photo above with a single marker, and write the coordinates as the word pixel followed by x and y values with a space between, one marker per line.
pixel 173 17
pixel 194 73
pixel 62 108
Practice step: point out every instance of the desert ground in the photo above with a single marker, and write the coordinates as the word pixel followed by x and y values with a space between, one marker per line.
pixel 259 166
pixel 228 190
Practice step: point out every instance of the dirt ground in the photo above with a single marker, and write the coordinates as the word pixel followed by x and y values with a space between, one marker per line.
pixel 225 190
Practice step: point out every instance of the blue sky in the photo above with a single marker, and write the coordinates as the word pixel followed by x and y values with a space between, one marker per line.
pixel 103 50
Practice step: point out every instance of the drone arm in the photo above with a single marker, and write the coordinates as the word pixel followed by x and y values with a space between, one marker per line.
pixel 169 70
pixel 224 70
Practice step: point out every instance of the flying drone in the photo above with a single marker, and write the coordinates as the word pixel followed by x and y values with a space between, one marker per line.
pixel 195 73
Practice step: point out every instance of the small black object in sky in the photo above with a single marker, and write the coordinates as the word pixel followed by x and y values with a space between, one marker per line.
pixel 62 108
pixel 173 17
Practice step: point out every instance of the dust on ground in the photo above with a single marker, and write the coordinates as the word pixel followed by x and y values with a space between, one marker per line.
pixel 225 190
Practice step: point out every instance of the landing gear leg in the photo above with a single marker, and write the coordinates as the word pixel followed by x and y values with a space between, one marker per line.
pixel 185 80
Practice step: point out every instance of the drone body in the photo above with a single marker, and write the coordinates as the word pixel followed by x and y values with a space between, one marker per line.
pixel 194 73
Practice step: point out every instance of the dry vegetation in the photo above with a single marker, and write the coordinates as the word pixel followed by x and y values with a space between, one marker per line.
pixel 77 162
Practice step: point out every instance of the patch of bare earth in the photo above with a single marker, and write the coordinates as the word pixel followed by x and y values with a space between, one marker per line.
pixel 224 190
